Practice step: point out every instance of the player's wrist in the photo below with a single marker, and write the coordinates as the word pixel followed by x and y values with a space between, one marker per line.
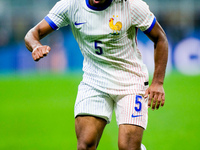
pixel 36 47
pixel 158 82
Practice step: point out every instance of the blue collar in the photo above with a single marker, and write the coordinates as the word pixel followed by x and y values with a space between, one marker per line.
pixel 107 4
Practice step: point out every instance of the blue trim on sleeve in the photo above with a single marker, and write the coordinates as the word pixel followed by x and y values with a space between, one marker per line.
pixel 151 27
pixel 51 23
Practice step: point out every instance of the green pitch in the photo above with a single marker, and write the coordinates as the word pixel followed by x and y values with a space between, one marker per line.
pixel 36 113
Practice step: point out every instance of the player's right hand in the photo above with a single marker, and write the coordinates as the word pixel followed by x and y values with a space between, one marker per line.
pixel 40 51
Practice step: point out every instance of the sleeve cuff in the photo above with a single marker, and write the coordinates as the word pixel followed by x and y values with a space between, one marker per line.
pixel 51 23
pixel 151 27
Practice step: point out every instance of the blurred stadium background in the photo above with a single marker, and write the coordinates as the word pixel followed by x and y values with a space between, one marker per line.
pixel 37 98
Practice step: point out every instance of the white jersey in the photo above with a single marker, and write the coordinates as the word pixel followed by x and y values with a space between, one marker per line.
pixel 107 40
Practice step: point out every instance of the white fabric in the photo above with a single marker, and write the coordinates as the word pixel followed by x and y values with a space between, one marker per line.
pixel 112 61
pixel 143 147
pixel 128 110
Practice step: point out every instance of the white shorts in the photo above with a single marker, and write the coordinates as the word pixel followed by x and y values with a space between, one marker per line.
pixel 129 109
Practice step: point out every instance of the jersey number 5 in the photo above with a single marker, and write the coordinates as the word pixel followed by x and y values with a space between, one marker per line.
pixel 138 103
pixel 99 50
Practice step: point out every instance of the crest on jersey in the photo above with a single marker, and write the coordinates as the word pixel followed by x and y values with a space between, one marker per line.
pixel 115 27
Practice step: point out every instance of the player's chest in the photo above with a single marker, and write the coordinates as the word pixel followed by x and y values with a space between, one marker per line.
pixel 105 23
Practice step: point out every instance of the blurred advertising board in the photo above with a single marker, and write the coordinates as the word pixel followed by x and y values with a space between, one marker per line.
pixel 184 56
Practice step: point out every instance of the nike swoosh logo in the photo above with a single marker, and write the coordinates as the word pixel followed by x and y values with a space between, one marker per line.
pixel 133 116
pixel 76 23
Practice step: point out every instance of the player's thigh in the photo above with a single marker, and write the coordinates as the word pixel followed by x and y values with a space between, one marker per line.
pixel 89 130
pixel 131 114
pixel 132 109
pixel 93 110
pixel 93 102
pixel 130 137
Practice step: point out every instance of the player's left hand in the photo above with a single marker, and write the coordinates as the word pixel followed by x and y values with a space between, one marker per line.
pixel 156 95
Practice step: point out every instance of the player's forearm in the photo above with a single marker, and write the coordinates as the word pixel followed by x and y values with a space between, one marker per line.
pixel 32 39
pixel 160 58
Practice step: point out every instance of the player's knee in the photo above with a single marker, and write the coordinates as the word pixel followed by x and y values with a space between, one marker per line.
pixel 129 141
pixel 85 147
pixel 132 148
pixel 133 145
pixel 87 144
pixel 122 146
pixel 130 137
pixel 87 141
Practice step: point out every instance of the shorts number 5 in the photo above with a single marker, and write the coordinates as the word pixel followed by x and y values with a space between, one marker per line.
pixel 138 103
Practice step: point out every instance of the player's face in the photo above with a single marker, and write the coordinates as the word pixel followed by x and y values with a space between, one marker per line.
pixel 97 3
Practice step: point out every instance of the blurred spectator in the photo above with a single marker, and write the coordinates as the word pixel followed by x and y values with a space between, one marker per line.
pixel 179 18
pixel 197 19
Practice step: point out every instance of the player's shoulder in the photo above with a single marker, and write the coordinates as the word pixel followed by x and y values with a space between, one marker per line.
pixel 64 6
pixel 67 3
pixel 136 4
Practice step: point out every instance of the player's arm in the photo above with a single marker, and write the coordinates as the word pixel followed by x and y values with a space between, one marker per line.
pixel 33 37
pixel 156 91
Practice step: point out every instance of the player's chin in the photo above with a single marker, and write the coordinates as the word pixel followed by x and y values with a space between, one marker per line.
pixel 98 2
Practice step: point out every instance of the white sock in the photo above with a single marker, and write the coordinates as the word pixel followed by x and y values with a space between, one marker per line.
pixel 143 147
